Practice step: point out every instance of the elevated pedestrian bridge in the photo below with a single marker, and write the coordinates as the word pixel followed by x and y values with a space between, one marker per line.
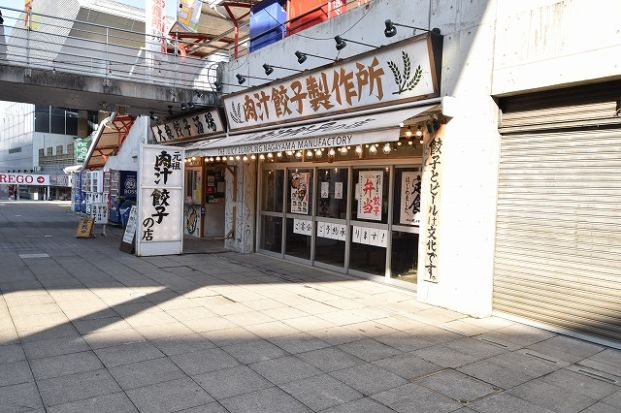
pixel 83 65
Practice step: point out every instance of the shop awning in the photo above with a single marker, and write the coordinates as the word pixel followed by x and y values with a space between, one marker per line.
pixel 108 139
pixel 355 130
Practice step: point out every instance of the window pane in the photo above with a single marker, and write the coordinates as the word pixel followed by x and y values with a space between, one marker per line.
pixel 271 230
pixel 406 207
pixel 298 244
pixel 42 118
pixel 332 193
pixel 72 122
pixel 300 187
pixel 93 119
pixel 271 199
pixel 404 257
pixel 371 192
pixel 330 251
pixel 58 121
pixel 368 258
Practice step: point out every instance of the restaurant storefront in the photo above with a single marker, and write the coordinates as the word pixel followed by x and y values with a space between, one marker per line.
pixel 337 157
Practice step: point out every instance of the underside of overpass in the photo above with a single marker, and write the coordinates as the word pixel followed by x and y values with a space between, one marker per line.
pixel 80 91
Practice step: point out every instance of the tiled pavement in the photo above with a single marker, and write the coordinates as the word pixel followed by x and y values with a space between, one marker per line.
pixel 90 329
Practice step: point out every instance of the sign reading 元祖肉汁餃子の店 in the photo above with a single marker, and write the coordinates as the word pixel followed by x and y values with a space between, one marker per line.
pixel 160 200
pixel 390 75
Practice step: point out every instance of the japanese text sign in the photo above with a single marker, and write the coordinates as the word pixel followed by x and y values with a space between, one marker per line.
pixel 370 236
pixel 404 71
pixel 410 198
pixel 432 185
pixel 192 126
pixel 160 202
pixel 331 231
pixel 370 187
pixel 302 227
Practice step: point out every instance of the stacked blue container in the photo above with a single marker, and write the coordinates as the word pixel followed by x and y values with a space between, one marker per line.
pixel 267 23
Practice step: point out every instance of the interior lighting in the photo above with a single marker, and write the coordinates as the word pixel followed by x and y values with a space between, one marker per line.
pixel 244 158
pixel 218 158
pixel 298 154
pixel 419 132
pixel 359 150
pixel 408 132
pixel 261 157
pixel 309 154
pixel 410 143
pixel 343 150
pixel 253 156
pixel 270 155
pixel 387 148
pixel 399 143
pixel 331 152
pixel 289 153
pixel 318 153
pixel 373 149
pixel 401 124
pixel 237 158
pixel 279 154
pixel 193 158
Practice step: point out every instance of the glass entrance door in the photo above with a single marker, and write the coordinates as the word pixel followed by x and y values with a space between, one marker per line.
pixel 299 213
pixel 331 217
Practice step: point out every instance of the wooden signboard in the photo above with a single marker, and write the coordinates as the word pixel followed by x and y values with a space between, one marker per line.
pixel 86 228
pixel 127 243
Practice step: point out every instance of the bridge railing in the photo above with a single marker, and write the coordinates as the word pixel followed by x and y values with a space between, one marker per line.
pixel 73 46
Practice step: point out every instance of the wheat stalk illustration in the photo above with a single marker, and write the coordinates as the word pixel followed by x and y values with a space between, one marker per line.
pixel 405 82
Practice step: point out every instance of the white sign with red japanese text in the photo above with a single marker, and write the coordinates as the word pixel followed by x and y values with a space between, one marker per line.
pixel 160 200
pixel 24 179
pixel 370 187
pixel 410 198
pixel 394 74
pixel 370 236
pixel 197 125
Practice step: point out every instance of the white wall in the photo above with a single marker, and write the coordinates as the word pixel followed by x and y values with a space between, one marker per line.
pixel 127 157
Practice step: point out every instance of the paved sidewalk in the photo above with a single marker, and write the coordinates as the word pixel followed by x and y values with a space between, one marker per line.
pixel 87 328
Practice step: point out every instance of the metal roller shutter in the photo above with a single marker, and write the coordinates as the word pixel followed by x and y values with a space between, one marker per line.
pixel 558 235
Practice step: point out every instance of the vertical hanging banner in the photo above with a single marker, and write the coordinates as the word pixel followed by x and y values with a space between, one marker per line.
pixel 370 195
pixel 432 187
pixel 188 14
pixel 160 200
pixel 155 28
pixel 410 198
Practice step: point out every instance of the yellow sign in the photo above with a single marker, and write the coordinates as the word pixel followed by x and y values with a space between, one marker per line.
pixel 85 228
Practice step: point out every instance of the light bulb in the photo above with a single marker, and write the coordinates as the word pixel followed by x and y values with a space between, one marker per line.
pixel 408 133
pixel 419 132
pixel 399 143
pixel 279 154
pixel 318 153
pixel 253 156
pixel 410 143
pixel 261 157
pixel 298 154
pixel 270 155
pixel 289 153
pixel 343 150
pixel 373 149
pixel 245 158
pixel 194 158
pixel 237 158
pixel 401 124
pixel 386 149
pixel 331 152
pixel 309 154
pixel 218 158
pixel 358 149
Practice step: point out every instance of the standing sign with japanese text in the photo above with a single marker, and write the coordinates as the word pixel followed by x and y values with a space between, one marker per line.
pixel 410 198
pixel 300 182
pixel 200 124
pixel 370 186
pixel 402 72
pixel 160 200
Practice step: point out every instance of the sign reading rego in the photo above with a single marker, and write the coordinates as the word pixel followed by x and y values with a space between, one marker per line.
pixel 402 72
pixel 160 200
pixel 24 179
